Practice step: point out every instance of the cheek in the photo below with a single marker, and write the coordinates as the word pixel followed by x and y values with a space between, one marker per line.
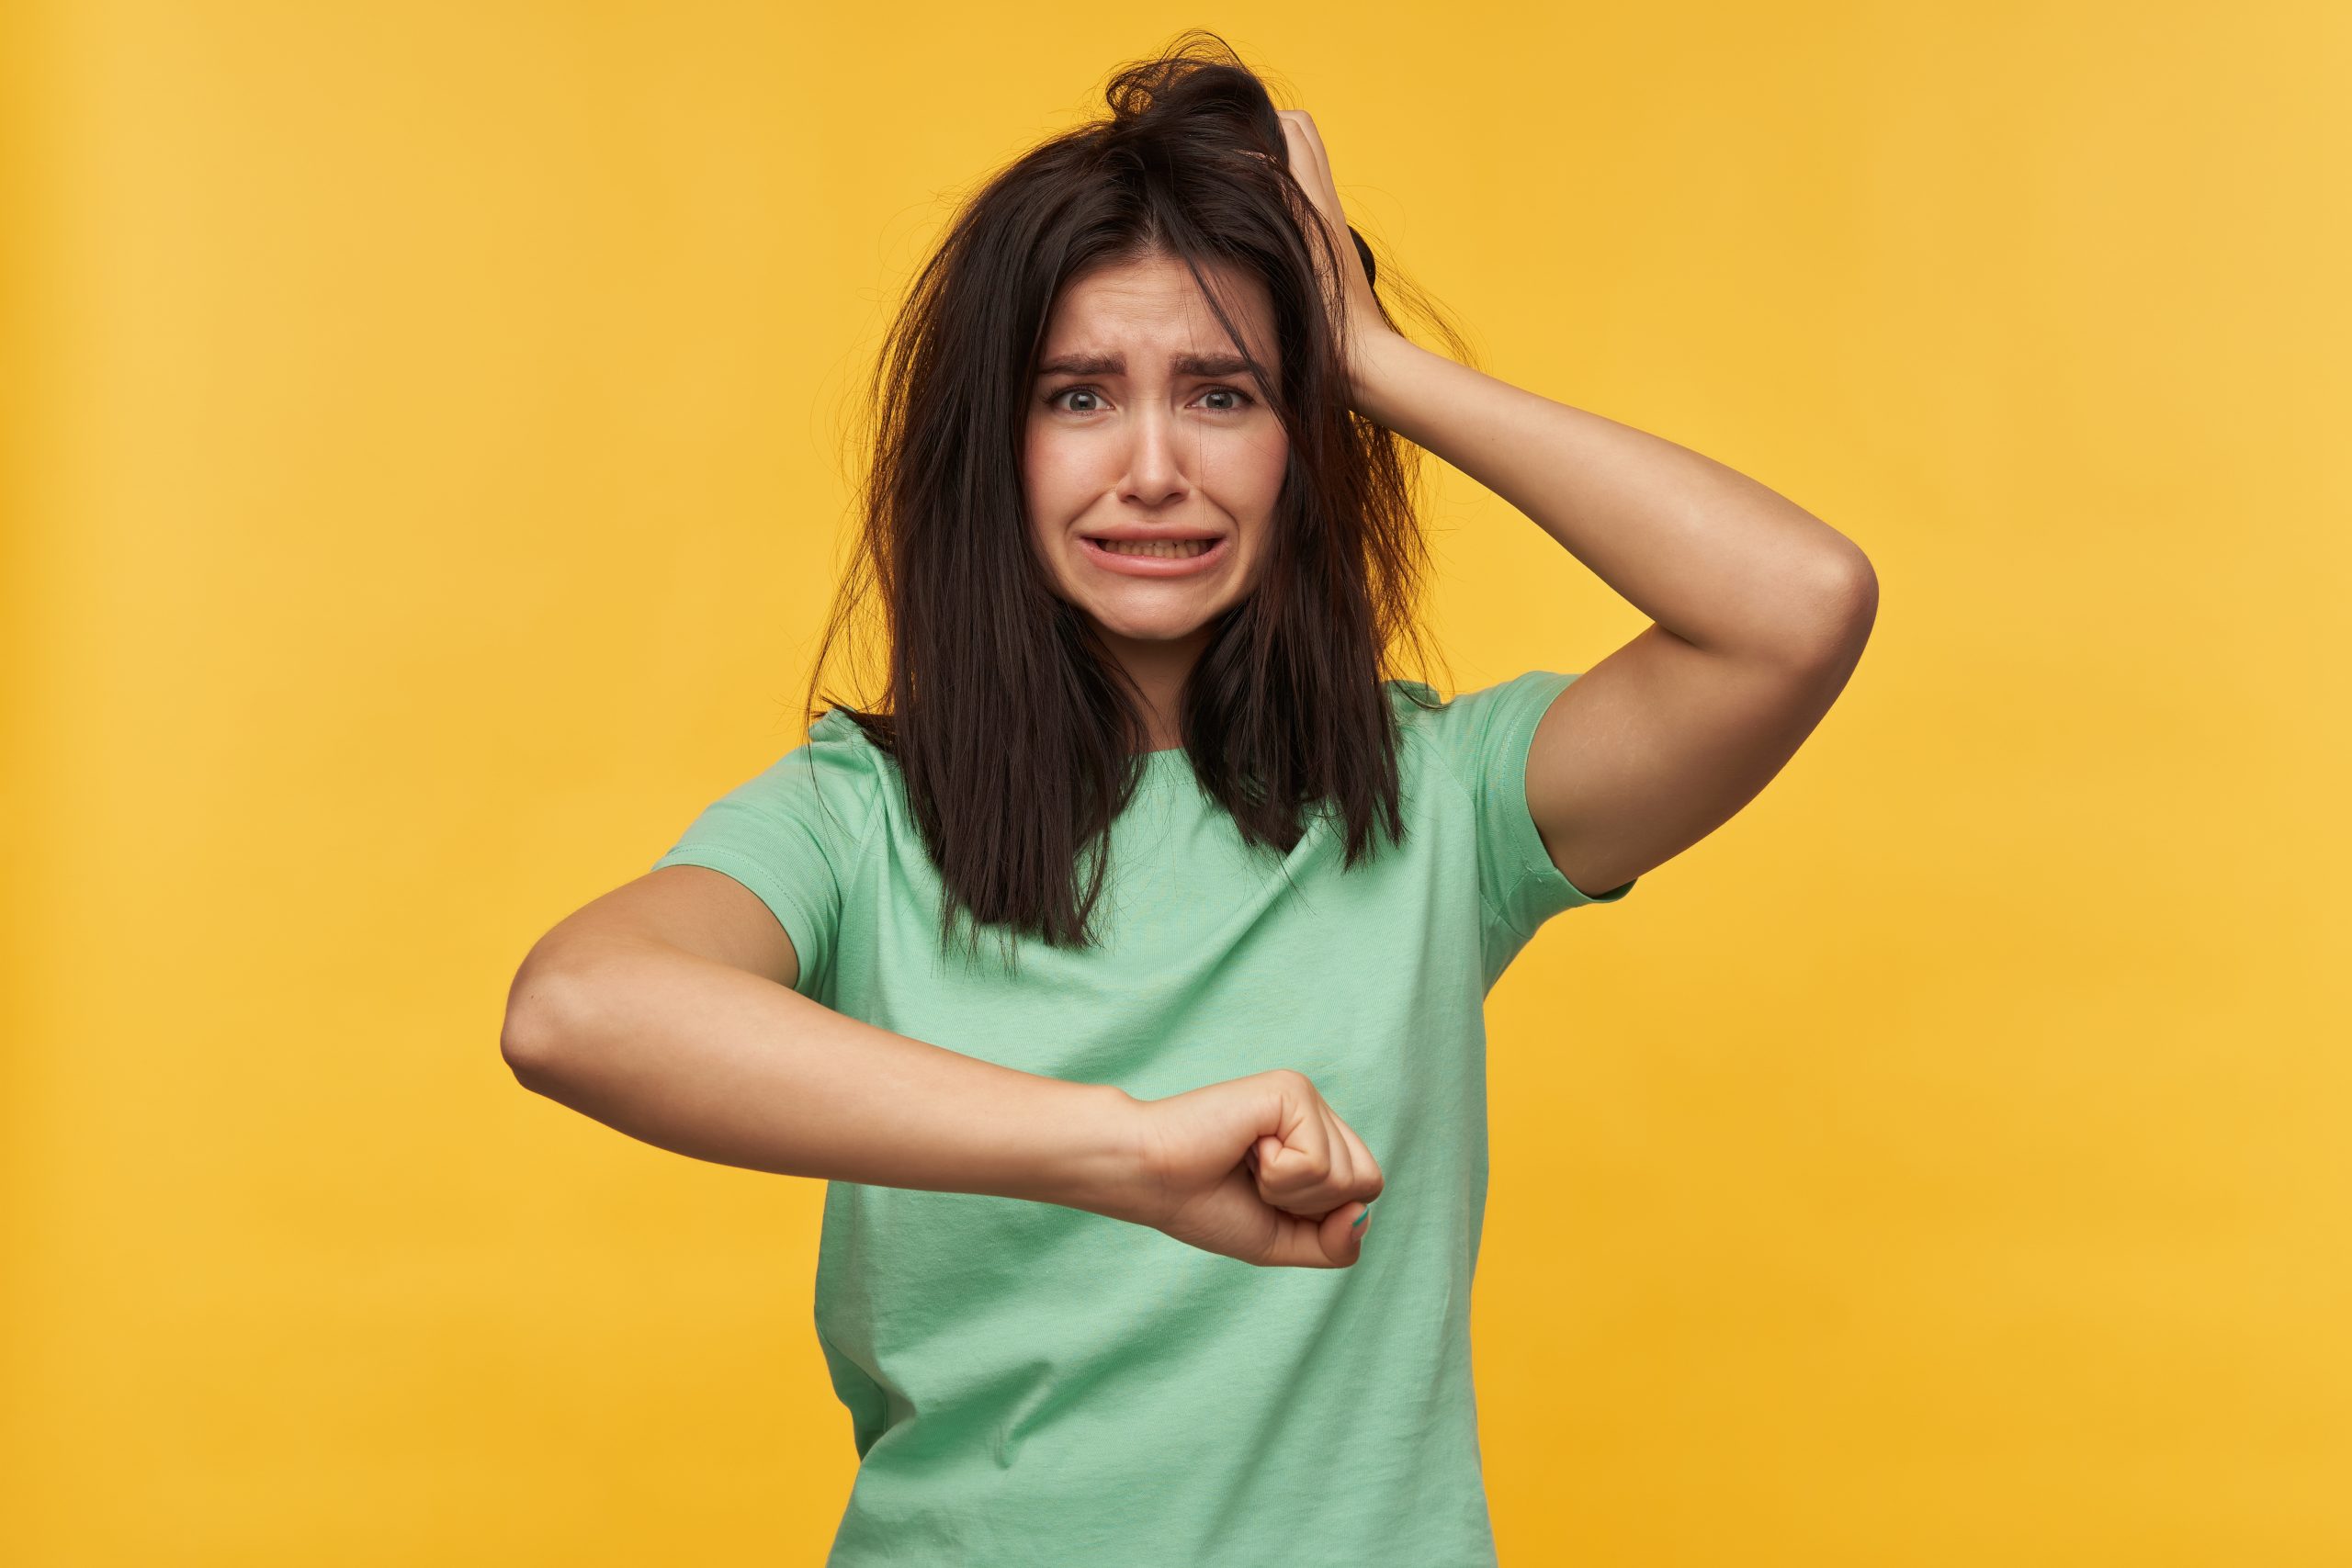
pixel 1255 470
pixel 1056 475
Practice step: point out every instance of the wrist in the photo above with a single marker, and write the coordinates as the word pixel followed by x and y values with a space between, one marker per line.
pixel 1105 1169
pixel 1378 362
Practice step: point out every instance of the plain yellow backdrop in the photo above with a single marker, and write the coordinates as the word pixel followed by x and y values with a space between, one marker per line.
pixel 426 470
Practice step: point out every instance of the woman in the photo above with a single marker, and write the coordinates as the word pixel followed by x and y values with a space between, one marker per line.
pixel 1095 1281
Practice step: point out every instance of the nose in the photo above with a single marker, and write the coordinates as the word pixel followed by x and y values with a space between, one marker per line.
pixel 1155 466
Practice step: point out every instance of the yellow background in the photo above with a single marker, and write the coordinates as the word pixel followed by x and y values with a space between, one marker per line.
pixel 425 475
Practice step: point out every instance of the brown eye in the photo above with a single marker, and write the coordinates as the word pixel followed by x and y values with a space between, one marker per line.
pixel 1073 393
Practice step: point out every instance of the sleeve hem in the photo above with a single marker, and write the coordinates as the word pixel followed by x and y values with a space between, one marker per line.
pixel 1542 888
pixel 800 924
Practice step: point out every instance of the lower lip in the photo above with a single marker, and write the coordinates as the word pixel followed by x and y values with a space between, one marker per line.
pixel 1156 566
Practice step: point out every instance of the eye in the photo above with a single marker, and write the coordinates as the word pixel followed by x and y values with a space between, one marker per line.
pixel 1240 399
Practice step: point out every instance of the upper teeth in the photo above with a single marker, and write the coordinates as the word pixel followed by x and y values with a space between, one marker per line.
pixel 1158 546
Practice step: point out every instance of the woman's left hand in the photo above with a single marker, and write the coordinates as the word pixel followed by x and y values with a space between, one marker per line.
pixel 1311 167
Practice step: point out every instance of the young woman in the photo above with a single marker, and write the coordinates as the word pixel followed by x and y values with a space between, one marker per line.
pixel 1095 1280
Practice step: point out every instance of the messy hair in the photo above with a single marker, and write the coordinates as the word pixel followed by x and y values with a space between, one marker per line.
pixel 1015 730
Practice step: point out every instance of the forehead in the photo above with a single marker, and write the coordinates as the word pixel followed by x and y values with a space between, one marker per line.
pixel 1152 307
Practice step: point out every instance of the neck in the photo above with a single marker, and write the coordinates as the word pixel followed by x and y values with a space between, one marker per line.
pixel 1159 671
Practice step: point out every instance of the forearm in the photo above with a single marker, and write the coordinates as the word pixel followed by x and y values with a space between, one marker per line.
pixel 721 1064
pixel 1703 550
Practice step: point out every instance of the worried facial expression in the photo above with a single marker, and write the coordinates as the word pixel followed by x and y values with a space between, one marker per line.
pixel 1150 463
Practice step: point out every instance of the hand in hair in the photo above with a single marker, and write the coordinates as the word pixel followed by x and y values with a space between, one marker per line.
pixel 1310 166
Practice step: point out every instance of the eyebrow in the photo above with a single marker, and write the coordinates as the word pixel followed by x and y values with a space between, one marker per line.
pixel 1116 364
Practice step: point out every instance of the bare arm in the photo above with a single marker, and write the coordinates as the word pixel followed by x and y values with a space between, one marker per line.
pixel 1761 609
pixel 705 1059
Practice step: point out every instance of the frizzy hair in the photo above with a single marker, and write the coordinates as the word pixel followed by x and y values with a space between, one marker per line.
pixel 1014 729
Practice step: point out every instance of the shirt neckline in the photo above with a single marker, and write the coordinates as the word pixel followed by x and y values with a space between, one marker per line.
pixel 1164 767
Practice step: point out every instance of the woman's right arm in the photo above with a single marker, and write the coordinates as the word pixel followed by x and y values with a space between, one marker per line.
pixel 666 1009
pixel 712 1061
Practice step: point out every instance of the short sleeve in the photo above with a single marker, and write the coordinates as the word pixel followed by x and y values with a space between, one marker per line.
pixel 1485 736
pixel 792 835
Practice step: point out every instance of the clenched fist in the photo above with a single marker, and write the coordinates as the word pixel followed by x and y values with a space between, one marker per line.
pixel 1258 1169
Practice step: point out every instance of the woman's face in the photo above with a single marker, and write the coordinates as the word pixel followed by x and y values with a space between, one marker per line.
pixel 1144 424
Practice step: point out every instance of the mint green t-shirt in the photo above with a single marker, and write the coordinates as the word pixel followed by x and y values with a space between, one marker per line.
pixel 1030 1385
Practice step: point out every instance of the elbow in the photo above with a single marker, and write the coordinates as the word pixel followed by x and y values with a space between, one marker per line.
pixel 1854 593
pixel 1841 609
pixel 524 1050
pixel 531 1040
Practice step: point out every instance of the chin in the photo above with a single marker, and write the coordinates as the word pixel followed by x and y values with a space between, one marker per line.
pixel 1149 628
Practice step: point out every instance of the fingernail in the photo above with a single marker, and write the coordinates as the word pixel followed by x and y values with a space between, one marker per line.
pixel 1361 1218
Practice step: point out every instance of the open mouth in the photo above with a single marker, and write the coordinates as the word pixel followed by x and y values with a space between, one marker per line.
pixel 1156 549
pixel 1157 557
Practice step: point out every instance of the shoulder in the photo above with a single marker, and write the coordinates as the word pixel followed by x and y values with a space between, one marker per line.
pixel 1416 704
pixel 837 780
pixel 840 748
pixel 1419 708
pixel 1426 725
pixel 1467 731
pixel 838 736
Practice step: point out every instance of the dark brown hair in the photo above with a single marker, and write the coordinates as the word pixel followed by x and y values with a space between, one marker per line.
pixel 1010 723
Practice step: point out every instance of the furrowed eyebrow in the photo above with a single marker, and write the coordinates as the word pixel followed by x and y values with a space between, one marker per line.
pixel 1116 364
